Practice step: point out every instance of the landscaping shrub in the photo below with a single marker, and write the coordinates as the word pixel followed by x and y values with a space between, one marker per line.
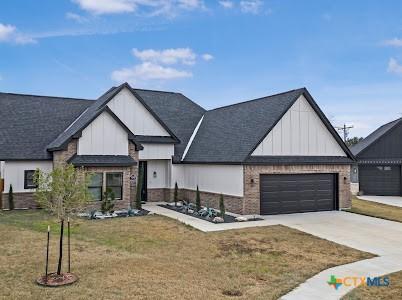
pixel 138 199
pixel 107 201
pixel 198 200
pixel 222 206
pixel 11 198
pixel 176 194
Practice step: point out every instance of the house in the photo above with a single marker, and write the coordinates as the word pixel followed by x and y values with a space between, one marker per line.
pixel 379 158
pixel 272 155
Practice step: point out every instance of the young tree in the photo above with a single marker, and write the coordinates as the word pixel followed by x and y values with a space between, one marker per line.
pixel 62 192
pixel 10 198
pixel 176 194
pixel 197 200
pixel 222 206
pixel 138 198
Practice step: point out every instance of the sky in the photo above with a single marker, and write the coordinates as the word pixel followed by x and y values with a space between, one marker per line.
pixel 348 54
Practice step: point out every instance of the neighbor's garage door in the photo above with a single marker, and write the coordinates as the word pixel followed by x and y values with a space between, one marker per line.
pixel 292 193
pixel 380 180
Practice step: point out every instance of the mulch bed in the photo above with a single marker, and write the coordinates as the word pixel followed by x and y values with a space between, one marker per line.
pixel 54 280
pixel 226 218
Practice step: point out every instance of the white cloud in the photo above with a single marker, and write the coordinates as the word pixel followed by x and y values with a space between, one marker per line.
pixel 152 7
pixel 76 17
pixel 207 57
pixel 168 56
pixel 251 6
pixel 106 6
pixel 226 3
pixel 395 42
pixel 394 66
pixel 148 71
pixel 159 65
pixel 9 33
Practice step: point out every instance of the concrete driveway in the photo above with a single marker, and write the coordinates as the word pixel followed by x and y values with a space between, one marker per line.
pixel 389 200
pixel 373 235
pixel 377 236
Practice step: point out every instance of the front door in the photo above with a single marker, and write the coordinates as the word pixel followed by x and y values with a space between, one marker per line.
pixel 143 168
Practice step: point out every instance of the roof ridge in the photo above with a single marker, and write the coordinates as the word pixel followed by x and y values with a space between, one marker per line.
pixel 256 99
pixel 159 91
pixel 44 96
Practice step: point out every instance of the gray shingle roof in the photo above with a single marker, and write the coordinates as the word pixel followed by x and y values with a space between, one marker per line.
pixel 371 138
pixel 228 134
pixel 176 113
pixel 29 123
pixel 102 160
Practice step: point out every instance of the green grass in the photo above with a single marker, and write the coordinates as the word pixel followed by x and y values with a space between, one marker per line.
pixel 154 257
pixel 377 210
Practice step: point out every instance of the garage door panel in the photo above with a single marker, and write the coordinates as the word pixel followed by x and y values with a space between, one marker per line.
pixel 291 193
pixel 380 180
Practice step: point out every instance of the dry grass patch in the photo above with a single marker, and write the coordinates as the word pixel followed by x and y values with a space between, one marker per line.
pixel 378 210
pixel 393 291
pixel 154 257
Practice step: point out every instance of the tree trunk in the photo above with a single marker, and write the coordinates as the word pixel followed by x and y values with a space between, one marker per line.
pixel 60 247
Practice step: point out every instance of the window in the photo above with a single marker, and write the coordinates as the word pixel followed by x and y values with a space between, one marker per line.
pixel 95 186
pixel 114 181
pixel 29 179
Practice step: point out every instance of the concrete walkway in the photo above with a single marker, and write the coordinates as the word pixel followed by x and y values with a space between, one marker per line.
pixel 377 236
pixel 389 200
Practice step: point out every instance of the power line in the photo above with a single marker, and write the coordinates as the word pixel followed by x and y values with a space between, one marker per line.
pixel 345 130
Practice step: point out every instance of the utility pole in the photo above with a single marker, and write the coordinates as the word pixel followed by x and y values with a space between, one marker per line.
pixel 345 130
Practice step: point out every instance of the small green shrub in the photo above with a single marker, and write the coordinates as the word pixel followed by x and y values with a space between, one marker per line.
pixel 222 206
pixel 10 198
pixel 198 200
pixel 107 201
pixel 176 194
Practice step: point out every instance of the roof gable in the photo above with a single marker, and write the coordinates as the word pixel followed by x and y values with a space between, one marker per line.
pixel 363 145
pixel 231 134
pixel 300 132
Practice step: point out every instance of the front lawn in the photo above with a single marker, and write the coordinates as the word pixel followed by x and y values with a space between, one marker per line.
pixel 154 257
pixel 378 210
pixel 393 291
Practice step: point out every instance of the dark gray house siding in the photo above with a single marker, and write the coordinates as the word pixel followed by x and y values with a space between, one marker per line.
pixel 379 158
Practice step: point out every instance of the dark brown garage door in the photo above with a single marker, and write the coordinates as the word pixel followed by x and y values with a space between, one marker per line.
pixel 293 193
pixel 380 180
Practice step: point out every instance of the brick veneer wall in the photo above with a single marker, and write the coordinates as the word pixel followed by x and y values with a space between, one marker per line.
pixel 251 204
pixel 61 157
pixel 21 200
pixel 155 195
pixel 232 203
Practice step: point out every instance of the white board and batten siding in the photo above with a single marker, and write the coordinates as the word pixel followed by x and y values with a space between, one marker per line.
pixel 158 173
pixel 300 132
pixel 156 151
pixel 134 115
pixel 225 179
pixel 13 172
pixel 104 136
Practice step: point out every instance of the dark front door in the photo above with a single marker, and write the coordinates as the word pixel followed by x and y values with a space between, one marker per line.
pixel 294 193
pixel 380 180
pixel 142 169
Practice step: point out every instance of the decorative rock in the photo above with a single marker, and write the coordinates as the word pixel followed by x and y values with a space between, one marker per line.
pixel 83 215
pixel 218 220
pixel 241 219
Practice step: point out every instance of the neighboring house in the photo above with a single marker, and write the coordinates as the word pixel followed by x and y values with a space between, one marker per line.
pixel 379 158
pixel 277 154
